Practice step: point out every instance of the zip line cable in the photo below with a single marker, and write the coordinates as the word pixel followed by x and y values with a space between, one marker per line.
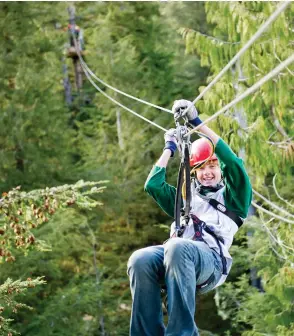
pixel 119 91
pixel 259 32
pixel 234 59
pixel 118 103
pixel 163 129
pixel 252 89
pixel 228 66
pixel 105 94
pixel 272 213
pixel 246 93
pixel 273 204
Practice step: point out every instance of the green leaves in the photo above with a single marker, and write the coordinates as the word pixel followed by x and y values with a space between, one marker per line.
pixel 261 125
pixel 9 305
pixel 135 47
pixel 22 212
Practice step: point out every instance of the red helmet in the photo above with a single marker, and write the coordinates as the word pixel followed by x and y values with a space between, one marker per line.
pixel 201 150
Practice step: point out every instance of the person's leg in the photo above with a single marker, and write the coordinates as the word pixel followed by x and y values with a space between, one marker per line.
pixel 187 263
pixel 146 272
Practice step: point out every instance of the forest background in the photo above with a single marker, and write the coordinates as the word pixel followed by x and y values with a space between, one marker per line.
pixel 160 52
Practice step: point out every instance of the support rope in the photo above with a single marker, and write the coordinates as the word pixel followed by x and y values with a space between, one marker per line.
pixel 118 103
pixel 246 93
pixel 273 204
pixel 272 213
pixel 119 91
pixel 259 32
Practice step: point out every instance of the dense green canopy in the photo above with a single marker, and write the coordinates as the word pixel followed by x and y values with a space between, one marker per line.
pixel 158 51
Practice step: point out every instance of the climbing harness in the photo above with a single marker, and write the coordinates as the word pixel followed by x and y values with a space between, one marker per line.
pixel 199 227
pixel 223 209
pixel 183 215
pixel 219 206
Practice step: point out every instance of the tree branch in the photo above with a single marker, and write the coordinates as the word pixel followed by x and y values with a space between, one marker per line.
pixel 277 57
pixel 277 124
pixel 278 195
pixel 273 204
pixel 272 213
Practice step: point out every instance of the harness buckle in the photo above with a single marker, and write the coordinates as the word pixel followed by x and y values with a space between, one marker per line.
pixel 179 232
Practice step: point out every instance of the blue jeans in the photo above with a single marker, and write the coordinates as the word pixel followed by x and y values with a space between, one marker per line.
pixel 180 264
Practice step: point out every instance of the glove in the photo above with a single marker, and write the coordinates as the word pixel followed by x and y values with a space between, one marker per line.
pixel 170 141
pixel 181 105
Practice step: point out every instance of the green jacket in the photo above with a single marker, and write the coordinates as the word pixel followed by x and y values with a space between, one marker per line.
pixel 237 193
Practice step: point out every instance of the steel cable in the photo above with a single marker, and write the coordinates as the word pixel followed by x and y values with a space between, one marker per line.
pixel 119 91
pixel 270 75
pixel 118 103
pixel 259 32
pixel 246 93
pixel 272 213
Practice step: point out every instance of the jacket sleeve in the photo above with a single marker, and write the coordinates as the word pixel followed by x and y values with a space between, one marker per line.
pixel 163 193
pixel 238 190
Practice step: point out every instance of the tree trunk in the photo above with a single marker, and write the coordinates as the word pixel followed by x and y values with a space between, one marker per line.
pixel 66 84
pixel 119 130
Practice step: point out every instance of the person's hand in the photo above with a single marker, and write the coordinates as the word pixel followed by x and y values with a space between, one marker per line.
pixel 170 141
pixel 179 108
pixel 181 105
pixel 170 135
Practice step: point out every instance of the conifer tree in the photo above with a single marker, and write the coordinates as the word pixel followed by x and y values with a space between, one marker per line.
pixel 21 213
pixel 131 45
pixel 261 126
pixel 35 138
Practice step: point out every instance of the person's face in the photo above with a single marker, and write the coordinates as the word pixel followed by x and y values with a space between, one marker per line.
pixel 210 174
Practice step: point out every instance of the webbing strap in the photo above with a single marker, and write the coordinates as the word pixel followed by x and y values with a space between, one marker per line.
pixel 178 203
pixel 218 240
pixel 199 225
pixel 220 207
pixel 188 183
pixel 207 282
pixel 184 168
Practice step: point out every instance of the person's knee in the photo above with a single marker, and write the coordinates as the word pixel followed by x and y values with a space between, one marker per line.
pixel 174 250
pixel 139 261
pixel 178 249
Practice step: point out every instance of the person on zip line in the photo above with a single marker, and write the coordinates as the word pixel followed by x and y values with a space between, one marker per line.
pixel 195 259
pixel 75 32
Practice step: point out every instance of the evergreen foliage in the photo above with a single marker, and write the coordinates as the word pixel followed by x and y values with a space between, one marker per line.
pixel 32 98
pixel 132 46
pixel 44 142
pixel 8 291
pixel 21 212
pixel 260 127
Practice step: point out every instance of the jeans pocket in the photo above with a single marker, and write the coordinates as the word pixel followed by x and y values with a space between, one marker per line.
pixel 214 280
